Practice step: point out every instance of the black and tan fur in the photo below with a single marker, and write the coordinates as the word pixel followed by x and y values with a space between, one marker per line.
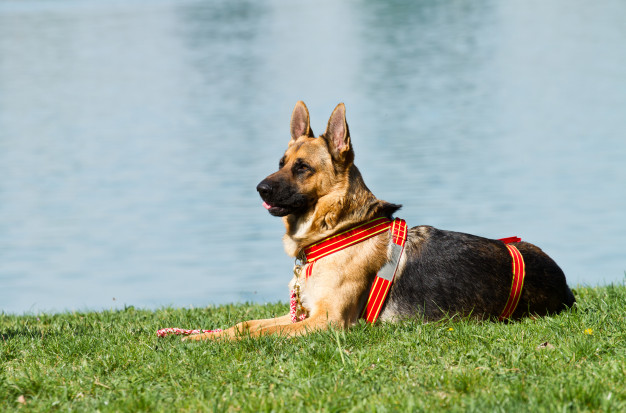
pixel 319 192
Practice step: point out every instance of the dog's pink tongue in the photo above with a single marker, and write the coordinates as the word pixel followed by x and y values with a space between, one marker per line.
pixel 266 205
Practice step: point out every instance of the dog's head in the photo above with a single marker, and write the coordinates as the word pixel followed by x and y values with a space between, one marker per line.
pixel 311 167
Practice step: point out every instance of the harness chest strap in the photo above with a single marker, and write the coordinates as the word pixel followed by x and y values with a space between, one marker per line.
pixel 343 240
pixel 347 238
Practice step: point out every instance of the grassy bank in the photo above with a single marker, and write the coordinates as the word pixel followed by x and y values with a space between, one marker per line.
pixel 113 361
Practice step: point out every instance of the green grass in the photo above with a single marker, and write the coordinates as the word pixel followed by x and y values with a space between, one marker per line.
pixel 113 361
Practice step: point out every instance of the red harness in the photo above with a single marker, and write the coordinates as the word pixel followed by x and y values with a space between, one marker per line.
pixel 384 278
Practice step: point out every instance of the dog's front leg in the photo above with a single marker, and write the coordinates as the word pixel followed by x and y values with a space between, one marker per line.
pixel 306 326
pixel 246 327
pixel 322 318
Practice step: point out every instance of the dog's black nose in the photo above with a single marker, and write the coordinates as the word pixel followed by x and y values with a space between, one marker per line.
pixel 264 189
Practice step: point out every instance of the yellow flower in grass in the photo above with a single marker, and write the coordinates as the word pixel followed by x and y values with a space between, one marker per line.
pixel 450 329
pixel 589 331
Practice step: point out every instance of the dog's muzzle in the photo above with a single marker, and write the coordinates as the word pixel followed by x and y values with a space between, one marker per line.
pixel 279 200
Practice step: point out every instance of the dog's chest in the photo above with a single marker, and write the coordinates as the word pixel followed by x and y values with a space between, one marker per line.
pixel 309 286
pixel 332 281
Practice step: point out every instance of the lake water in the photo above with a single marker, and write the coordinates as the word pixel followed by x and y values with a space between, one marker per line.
pixel 133 134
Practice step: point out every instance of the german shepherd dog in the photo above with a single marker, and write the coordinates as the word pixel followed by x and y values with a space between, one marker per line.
pixel 319 192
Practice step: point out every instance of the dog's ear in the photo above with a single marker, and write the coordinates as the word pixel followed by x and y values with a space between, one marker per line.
pixel 338 135
pixel 300 124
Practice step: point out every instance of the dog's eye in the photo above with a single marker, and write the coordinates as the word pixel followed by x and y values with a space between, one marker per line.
pixel 281 163
pixel 301 168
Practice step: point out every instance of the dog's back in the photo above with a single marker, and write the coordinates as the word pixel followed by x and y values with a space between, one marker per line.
pixel 449 273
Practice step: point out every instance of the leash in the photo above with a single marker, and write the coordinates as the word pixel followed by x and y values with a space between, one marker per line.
pixel 181 331
pixel 384 278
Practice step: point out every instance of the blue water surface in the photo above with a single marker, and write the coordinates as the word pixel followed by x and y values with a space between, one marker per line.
pixel 133 134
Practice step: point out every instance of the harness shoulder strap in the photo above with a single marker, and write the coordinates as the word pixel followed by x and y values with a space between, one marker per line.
pixel 384 278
